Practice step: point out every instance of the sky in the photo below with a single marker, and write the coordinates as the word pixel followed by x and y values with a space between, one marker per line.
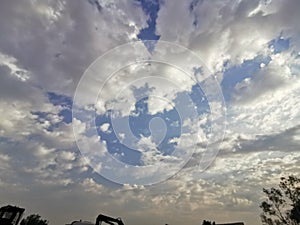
pixel 155 111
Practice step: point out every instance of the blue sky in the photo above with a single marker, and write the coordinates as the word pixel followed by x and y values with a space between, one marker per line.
pixel 160 119
pixel 151 9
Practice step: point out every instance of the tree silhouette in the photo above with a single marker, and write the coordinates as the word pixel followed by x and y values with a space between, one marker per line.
pixel 283 203
pixel 34 219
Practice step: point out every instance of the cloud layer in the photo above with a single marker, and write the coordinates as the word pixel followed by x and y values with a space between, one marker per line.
pixel 45 48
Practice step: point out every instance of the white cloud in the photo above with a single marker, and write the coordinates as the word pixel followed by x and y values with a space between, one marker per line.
pixel 105 127
pixel 149 150
pixel 10 62
pixel 231 34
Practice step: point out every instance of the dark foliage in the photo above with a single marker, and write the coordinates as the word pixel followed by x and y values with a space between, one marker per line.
pixel 283 203
pixel 34 219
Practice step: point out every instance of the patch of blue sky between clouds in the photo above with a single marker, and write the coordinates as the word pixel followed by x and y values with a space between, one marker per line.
pixel 237 73
pixel 114 146
pixel 139 123
pixel 279 44
pixel 63 101
pixel 150 8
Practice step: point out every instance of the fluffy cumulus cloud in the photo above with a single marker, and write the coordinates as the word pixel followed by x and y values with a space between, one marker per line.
pixel 148 113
